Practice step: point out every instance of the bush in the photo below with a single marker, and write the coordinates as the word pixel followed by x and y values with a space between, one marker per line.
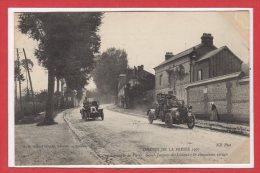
pixel 28 109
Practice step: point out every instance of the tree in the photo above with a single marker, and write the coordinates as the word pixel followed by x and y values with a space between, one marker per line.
pixel 76 80
pixel 65 40
pixel 41 96
pixel 18 76
pixel 24 63
pixel 175 74
pixel 110 64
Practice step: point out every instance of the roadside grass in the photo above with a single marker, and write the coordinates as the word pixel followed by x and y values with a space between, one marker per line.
pixel 26 114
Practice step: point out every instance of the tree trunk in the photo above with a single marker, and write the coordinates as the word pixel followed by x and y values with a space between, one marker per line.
pixel 20 87
pixel 58 85
pixel 48 120
pixel 20 95
pixel 30 80
pixel 15 91
pixel 27 87
pixel 58 93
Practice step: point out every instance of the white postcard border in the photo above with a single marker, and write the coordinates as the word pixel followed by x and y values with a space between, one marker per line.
pixel 11 131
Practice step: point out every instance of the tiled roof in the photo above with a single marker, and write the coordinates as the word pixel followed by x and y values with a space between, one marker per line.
pixel 179 55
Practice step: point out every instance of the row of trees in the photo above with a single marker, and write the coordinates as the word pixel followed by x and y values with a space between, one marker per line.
pixel 109 65
pixel 67 44
pixel 19 74
pixel 22 67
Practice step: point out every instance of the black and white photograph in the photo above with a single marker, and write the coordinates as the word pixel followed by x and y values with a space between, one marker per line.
pixel 142 88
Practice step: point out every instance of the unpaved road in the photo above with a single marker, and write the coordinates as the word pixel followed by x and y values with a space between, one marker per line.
pixel 125 139
pixel 50 145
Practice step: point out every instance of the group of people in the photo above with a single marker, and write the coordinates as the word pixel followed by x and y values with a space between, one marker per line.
pixel 88 103
pixel 172 100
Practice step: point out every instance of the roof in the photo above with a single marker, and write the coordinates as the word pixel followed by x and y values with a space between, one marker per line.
pixel 211 53
pixel 214 52
pixel 214 79
pixel 139 75
pixel 146 73
pixel 179 55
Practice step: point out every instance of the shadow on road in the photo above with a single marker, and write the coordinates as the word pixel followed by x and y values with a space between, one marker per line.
pixel 173 126
pixel 90 120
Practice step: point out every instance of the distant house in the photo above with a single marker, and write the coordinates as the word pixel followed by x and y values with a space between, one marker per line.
pixel 133 85
pixel 195 75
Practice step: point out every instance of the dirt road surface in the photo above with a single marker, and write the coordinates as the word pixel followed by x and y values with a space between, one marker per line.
pixel 50 145
pixel 124 139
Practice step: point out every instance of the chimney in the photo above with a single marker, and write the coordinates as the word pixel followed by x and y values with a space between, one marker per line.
pixel 207 39
pixel 141 68
pixel 168 55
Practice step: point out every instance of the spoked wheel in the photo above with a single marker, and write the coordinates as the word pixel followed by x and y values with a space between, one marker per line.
pixel 161 116
pixel 191 122
pixel 87 116
pixel 82 114
pixel 168 120
pixel 150 117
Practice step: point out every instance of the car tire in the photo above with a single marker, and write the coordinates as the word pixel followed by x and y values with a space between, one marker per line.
pixel 161 115
pixel 87 116
pixel 102 116
pixel 150 117
pixel 168 120
pixel 191 122
pixel 83 115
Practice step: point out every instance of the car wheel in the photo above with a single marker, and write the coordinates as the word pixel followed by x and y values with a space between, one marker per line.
pixel 102 116
pixel 150 117
pixel 161 115
pixel 168 120
pixel 84 114
pixel 87 116
pixel 191 122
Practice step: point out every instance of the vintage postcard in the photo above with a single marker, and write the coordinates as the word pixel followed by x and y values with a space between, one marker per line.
pixel 131 88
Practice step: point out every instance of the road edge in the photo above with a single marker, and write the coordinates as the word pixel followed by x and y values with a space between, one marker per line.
pixel 214 126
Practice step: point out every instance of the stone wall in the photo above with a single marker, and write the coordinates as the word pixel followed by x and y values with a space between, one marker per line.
pixel 230 96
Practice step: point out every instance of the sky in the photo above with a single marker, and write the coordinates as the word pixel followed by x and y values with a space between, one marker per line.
pixel 146 36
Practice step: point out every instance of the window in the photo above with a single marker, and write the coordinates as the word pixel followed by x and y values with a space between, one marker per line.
pixel 160 79
pixel 200 74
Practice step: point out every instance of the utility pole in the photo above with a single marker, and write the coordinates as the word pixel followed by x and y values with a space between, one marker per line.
pixel 15 89
pixel 19 81
pixel 30 80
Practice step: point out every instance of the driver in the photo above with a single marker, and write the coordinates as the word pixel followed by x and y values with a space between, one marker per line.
pixel 95 103
pixel 86 102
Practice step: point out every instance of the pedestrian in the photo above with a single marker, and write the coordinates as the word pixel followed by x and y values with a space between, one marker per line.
pixel 214 112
